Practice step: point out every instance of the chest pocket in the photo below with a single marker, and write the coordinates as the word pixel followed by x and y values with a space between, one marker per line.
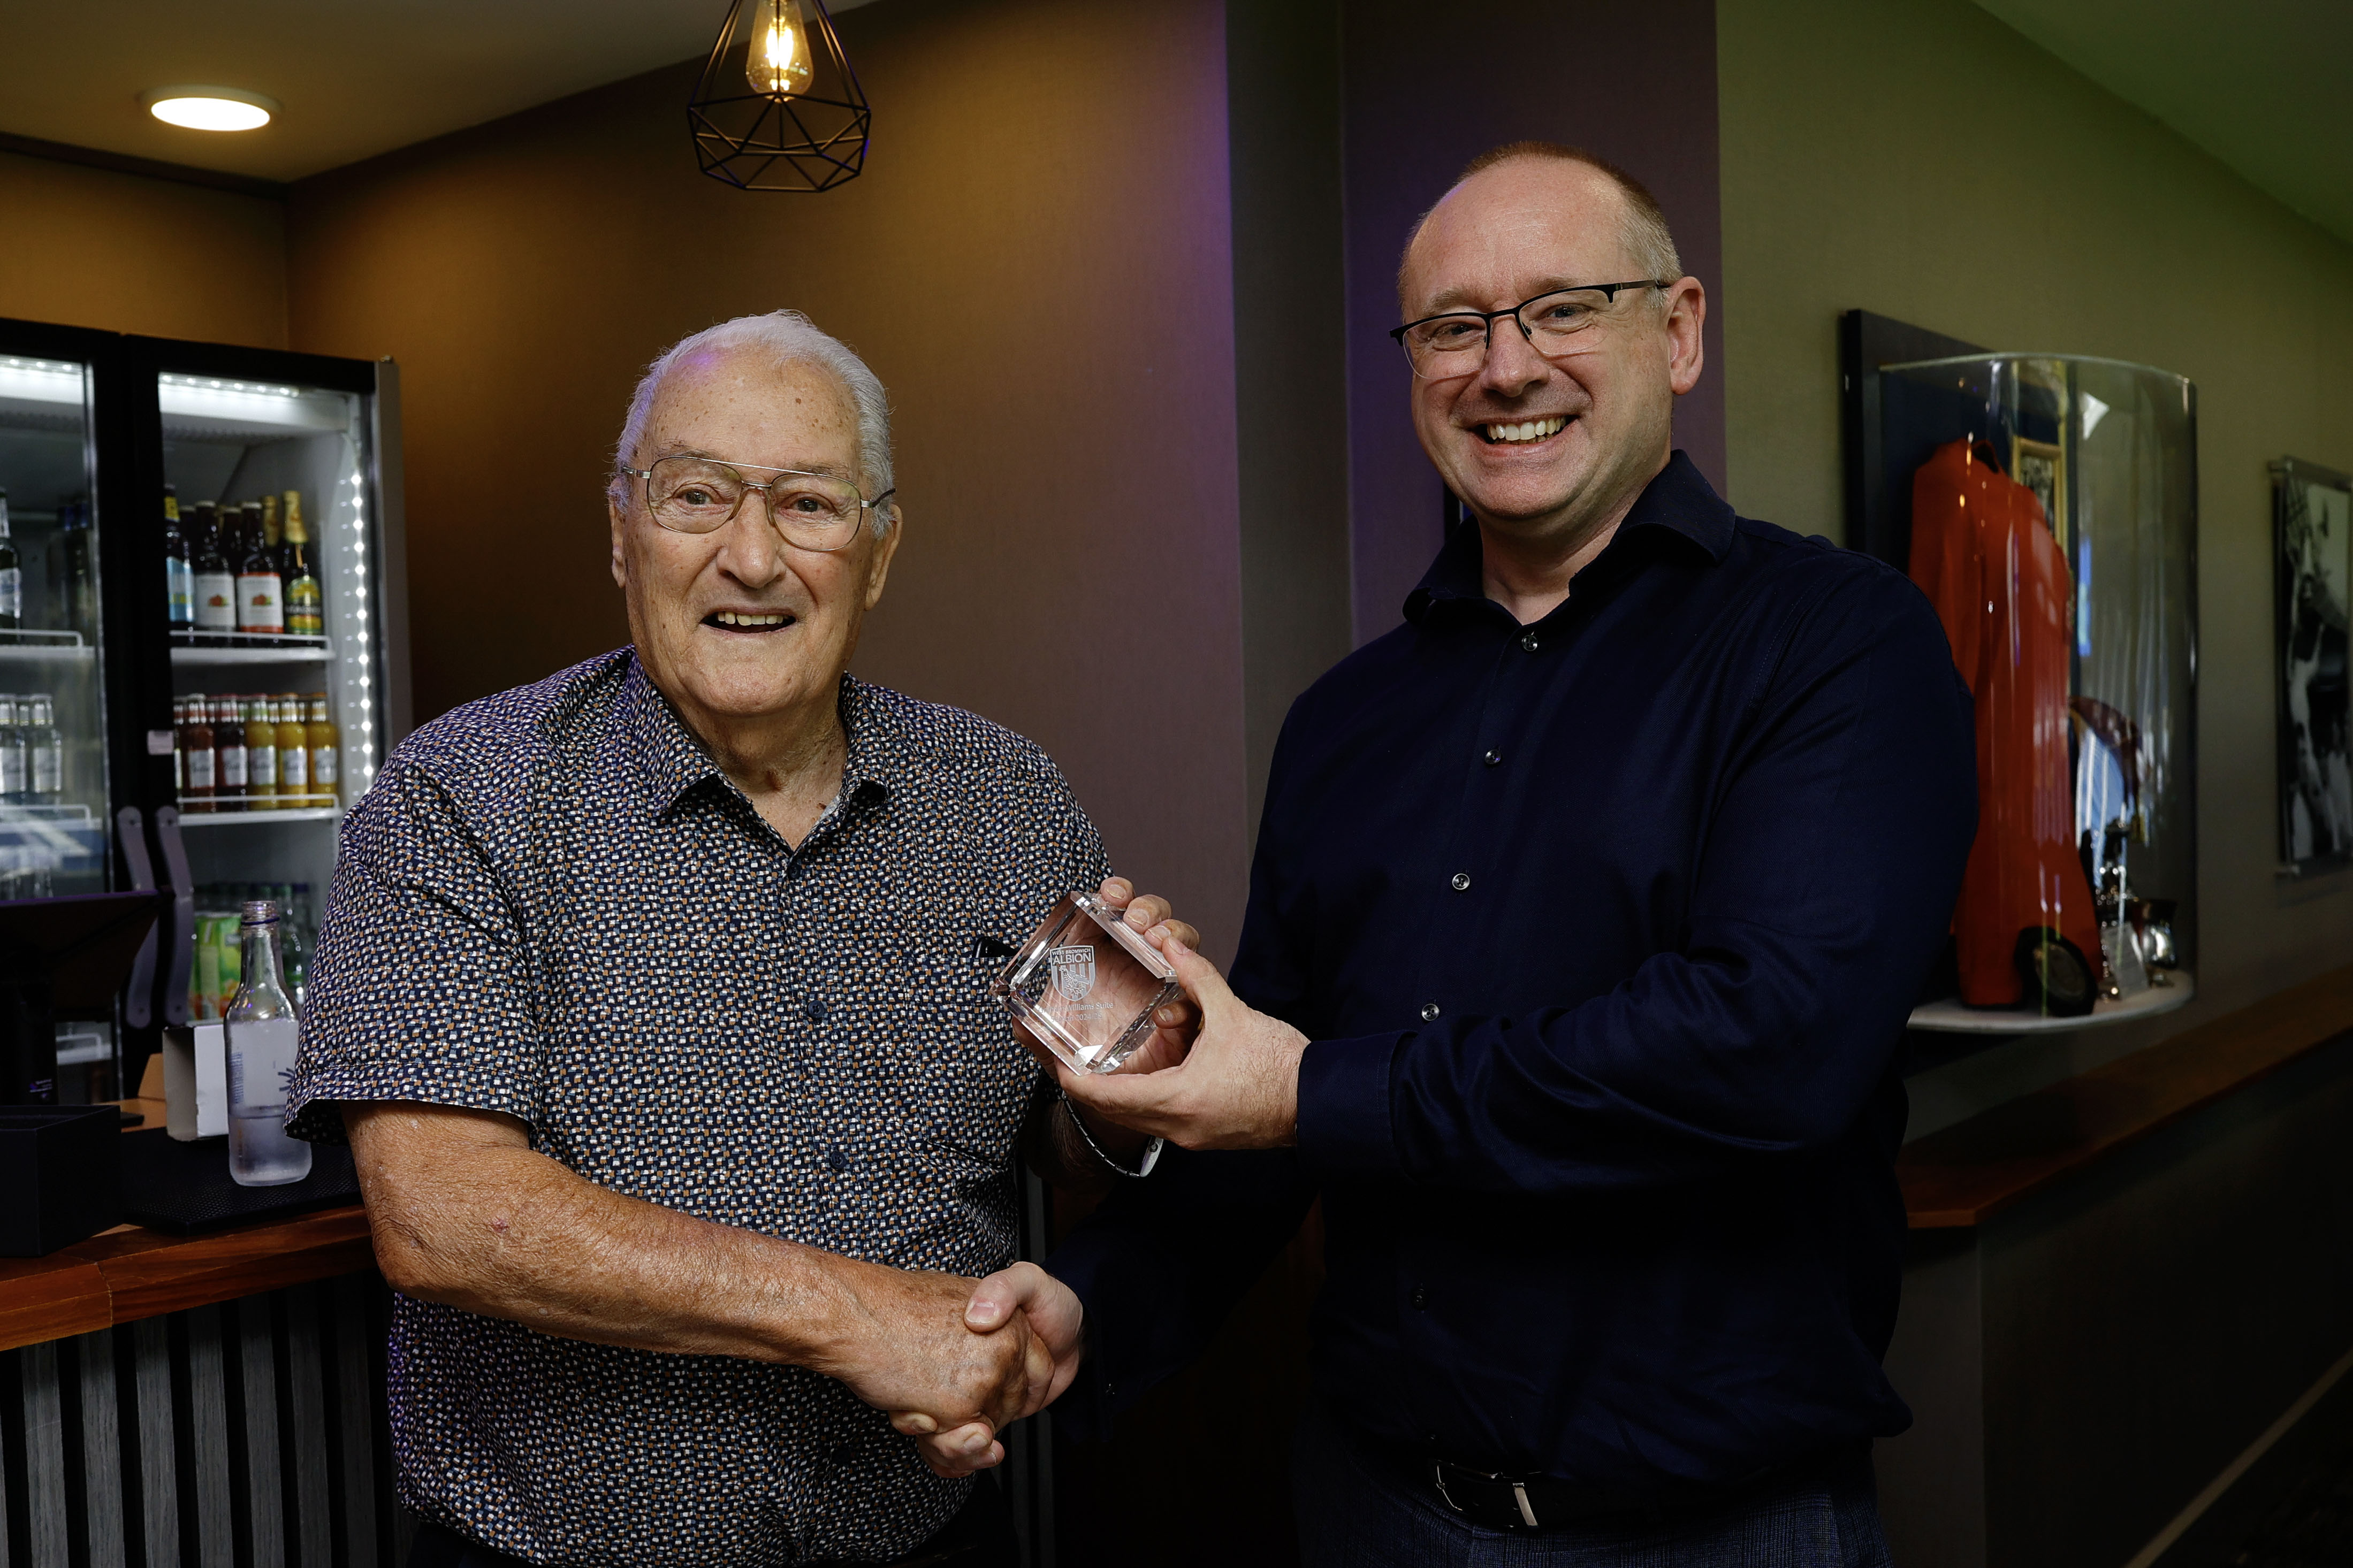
pixel 966 1081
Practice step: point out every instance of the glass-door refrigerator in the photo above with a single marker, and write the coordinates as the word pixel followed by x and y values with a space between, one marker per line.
pixel 210 659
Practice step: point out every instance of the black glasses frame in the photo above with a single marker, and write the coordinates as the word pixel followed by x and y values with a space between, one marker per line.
pixel 1487 319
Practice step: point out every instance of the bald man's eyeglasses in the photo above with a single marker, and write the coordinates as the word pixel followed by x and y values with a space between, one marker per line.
pixel 1455 343
pixel 688 494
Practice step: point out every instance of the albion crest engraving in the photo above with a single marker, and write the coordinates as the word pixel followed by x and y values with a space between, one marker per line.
pixel 1074 972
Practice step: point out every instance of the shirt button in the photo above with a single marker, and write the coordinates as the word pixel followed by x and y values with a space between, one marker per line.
pixel 1421 1298
pixel 836 1160
pixel 813 1010
pixel 1461 881
pixel 1429 1012
pixel 844 1452
pixel 1528 642
pixel 1493 757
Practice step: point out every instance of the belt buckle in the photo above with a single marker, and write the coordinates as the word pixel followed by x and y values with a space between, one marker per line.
pixel 1519 1489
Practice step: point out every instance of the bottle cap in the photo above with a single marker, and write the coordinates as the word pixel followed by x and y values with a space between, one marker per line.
pixel 260 912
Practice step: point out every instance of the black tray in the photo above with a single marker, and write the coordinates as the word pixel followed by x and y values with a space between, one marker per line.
pixel 185 1188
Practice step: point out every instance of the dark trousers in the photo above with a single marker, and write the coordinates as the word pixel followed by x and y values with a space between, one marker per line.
pixel 979 1536
pixel 1354 1513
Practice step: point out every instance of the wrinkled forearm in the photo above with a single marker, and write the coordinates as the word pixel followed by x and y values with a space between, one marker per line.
pixel 510 1233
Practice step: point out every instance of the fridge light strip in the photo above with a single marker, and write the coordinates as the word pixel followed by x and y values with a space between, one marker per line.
pixel 257 403
pixel 214 384
pixel 355 591
pixel 40 379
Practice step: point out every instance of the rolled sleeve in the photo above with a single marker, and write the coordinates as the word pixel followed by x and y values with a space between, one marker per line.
pixel 419 989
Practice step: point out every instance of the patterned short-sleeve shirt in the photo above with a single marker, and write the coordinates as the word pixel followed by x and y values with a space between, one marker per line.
pixel 554 904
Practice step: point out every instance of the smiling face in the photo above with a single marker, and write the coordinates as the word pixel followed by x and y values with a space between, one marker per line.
pixel 1541 448
pixel 734 625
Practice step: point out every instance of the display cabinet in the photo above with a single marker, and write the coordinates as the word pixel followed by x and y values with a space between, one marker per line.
pixel 2047 506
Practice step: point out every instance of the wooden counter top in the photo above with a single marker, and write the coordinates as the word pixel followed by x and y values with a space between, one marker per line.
pixel 130 1272
pixel 1959 1177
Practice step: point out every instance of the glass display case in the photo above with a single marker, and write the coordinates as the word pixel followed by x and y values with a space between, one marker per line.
pixel 2047 505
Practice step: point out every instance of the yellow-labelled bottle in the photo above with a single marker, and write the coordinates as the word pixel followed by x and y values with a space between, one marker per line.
pixel 306 607
pixel 261 754
pixel 293 754
pixel 326 758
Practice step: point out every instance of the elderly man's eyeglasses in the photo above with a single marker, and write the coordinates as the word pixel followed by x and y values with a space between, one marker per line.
pixel 701 495
pixel 1455 343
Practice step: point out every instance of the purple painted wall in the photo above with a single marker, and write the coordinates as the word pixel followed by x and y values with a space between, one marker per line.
pixel 1636 86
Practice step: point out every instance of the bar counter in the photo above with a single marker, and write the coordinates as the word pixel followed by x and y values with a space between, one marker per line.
pixel 1961 1177
pixel 124 1275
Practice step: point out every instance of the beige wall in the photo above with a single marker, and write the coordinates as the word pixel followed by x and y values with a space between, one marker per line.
pixel 92 247
pixel 1918 159
pixel 1035 263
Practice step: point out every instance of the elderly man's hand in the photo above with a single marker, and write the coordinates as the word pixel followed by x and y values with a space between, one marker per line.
pixel 907 1348
pixel 1237 1089
pixel 1023 1295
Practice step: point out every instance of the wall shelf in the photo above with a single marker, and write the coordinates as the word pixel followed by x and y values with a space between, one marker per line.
pixel 1953 1018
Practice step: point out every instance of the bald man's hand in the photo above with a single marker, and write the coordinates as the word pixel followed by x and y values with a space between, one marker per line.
pixel 1238 1087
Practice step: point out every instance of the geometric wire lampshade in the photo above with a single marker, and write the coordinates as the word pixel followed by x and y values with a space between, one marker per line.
pixel 778 107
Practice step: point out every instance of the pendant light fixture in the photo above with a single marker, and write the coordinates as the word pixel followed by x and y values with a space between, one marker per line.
pixel 778 107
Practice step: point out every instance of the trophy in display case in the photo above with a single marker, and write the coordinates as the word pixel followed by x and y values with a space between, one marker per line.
pixel 1086 985
pixel 2047 506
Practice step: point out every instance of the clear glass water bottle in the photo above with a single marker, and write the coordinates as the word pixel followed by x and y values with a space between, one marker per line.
pixel 262 1030
pixel 15 786
pixel 43 750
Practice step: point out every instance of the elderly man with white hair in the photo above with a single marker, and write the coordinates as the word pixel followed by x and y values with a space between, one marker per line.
pixel 652 999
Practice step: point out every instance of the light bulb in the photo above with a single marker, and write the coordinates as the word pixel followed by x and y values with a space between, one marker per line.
pixel 778 65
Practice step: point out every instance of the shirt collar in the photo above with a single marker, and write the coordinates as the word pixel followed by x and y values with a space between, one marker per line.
pixel 1678 502
pixel 670 761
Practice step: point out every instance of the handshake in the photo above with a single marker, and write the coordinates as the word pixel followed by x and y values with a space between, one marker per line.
pixel 955 1363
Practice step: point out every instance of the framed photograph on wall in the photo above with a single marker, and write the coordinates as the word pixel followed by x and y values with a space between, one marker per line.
pixel 2313 513
pixel 2041 466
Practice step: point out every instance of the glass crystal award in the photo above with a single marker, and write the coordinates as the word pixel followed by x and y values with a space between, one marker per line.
pixel 1086 985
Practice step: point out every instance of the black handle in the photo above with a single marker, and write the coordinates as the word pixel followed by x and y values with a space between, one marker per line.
pixel 184 915
pixel 138 1001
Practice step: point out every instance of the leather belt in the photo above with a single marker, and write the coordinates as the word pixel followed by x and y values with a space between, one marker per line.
pixel 1533 1503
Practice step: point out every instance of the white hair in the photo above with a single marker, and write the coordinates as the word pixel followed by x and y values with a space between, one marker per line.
pixel 786 337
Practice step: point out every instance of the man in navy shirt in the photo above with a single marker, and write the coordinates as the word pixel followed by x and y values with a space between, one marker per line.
pixel 1587 908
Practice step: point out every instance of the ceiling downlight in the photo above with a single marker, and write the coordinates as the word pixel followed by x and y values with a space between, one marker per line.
pixel 209 108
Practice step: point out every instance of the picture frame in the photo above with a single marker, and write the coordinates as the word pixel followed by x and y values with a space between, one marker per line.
pixel 2313 530
pixel 2041 466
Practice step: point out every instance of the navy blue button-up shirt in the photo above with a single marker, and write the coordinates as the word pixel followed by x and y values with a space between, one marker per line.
pixel 1604 930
